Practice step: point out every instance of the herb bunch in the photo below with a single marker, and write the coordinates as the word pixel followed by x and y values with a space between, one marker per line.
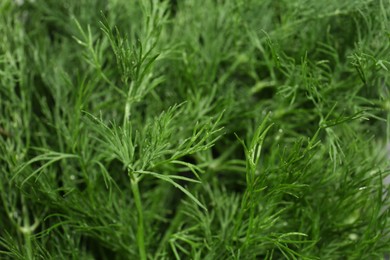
pixel 195 129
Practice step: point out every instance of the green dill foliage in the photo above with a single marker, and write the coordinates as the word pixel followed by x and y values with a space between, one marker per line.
pixel 196 129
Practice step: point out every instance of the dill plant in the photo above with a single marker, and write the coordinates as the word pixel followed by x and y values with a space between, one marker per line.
pixel 154 129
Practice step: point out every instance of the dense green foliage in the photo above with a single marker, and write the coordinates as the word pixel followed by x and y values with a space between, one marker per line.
pixel 194 129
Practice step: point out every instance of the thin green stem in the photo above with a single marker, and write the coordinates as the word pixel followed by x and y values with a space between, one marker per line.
pixel 26 230
pixel 128 105
pixel 140 226
pixel 241 215
pixel 172 227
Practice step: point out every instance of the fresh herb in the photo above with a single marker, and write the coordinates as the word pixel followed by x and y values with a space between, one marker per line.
pixel 197 129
